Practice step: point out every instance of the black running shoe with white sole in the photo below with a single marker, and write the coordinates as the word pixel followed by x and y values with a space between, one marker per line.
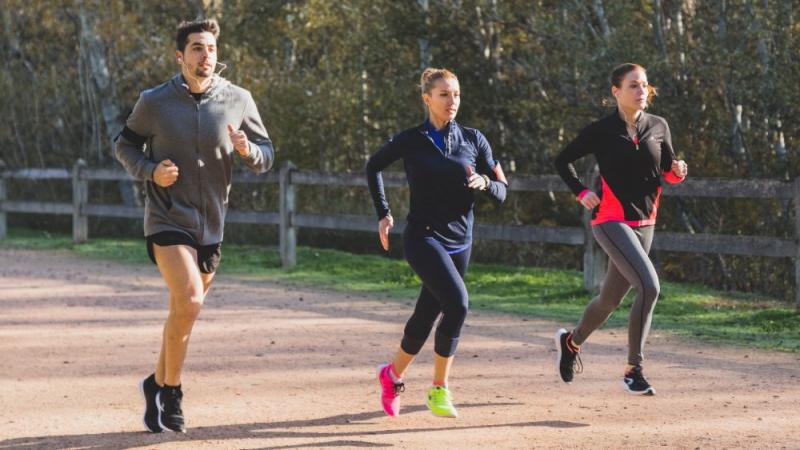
pixel 170 414
pixel 149 389
pixel 635 383
pixel 568 362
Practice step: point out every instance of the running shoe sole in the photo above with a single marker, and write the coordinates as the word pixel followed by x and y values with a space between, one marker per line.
pixel 559 333
pixel 649 391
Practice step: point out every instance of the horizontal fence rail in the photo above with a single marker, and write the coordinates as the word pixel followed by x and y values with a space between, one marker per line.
pixel 288 219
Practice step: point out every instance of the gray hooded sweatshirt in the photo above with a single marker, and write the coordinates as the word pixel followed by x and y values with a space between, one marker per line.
pixel 168 123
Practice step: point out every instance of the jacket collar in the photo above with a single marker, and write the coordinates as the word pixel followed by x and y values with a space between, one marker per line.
pixel 643 118
pixel 452 135
pixel 452 131
pixel 618 125
pixel 182 88
pixel 427 123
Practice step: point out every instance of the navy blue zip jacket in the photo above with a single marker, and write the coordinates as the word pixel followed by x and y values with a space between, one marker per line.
pixel 441 202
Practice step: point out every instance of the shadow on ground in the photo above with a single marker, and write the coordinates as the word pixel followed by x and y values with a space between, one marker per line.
pixel 274 430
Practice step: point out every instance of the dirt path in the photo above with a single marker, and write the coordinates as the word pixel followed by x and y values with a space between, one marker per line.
pixel 275 367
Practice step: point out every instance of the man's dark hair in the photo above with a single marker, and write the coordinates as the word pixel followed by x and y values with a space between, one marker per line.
pixel 196 26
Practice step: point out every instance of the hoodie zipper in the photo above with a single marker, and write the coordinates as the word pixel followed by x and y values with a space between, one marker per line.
pixel 202 204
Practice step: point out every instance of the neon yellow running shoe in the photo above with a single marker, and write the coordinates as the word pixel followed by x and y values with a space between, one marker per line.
pixel 440 402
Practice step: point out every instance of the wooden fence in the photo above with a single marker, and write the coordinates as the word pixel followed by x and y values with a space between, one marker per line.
pixel 288 219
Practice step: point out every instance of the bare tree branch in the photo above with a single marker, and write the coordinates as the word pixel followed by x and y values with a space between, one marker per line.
pixel 599 11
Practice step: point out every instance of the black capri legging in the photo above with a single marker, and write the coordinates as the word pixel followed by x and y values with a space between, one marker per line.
pixel 443 291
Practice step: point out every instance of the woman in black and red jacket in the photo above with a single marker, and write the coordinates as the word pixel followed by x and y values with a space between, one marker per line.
pixel 446 164
pixel 634 152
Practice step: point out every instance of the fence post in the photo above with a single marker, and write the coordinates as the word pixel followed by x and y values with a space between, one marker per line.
pixel 80 197
pixel 796 198
pixel 288 232
pixel 3 197
pixel 594 258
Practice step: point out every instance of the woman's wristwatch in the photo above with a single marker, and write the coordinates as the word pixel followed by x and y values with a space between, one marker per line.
pixel 488 182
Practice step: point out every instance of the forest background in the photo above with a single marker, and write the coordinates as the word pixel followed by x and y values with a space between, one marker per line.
pixel 334 80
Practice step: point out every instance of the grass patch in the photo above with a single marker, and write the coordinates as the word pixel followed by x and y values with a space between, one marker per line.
pixel 686 309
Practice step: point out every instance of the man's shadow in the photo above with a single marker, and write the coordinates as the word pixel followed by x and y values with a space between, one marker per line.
pixel 275 430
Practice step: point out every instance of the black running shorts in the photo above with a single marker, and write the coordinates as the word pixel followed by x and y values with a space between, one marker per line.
pixel 207 255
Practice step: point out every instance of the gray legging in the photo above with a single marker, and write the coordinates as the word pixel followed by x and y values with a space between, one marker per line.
pixel 628 266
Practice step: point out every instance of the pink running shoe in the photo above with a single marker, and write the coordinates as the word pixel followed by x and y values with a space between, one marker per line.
pixel 390 391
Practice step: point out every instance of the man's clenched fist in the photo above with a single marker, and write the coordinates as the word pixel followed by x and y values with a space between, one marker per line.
pixel 166 173
pixel 239 140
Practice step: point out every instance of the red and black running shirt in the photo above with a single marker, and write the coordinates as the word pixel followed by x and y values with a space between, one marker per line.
pixel 630 168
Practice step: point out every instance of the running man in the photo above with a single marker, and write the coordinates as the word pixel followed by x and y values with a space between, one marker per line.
pixel 634 151
pixel 182 138
pixel 445 164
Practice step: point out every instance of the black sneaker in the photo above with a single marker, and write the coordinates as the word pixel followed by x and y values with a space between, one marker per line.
pixel 149 389
pixel 170 415
pixel 635 383
pixel 568 362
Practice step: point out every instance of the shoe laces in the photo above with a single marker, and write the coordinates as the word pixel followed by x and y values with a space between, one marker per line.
pixel 176 406
pixel 636 375
pixel 442 395
pixel 577 364
pixel 172 400
pixel 394 389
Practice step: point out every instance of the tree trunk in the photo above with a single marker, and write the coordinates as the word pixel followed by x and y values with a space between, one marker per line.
pixel 599 11
pixel 15 54
pixel 93 51
pixel 423 42
pixel 658 28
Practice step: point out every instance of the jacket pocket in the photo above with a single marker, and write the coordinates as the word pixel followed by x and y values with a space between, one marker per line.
pixel 162 196
pixel 181 210
pixel 185 216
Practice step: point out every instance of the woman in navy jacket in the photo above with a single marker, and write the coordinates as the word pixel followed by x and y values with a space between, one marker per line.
pixel 445 164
